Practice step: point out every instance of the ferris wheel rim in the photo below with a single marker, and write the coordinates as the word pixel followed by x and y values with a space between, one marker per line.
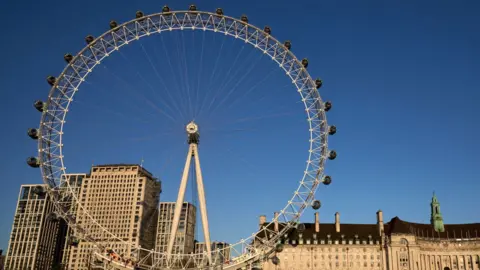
pixel 296 212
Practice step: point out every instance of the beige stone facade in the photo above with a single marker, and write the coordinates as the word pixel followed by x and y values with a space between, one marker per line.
pixel 434 252
pixel 122 199
pixel 34 242
pixel 396 245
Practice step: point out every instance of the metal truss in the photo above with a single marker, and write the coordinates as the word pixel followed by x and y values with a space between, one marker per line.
pixel 248 250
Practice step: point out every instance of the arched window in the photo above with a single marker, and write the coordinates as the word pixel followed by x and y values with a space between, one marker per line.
pixel 403 255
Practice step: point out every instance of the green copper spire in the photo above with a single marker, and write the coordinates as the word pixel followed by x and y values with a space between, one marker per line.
pixel 436 218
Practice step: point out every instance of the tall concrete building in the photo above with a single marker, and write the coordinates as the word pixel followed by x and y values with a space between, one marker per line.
pixel 221 251
pixel 36 237
pixel 123 199
pixel 395 245
pixel 74 181
pixel 184 241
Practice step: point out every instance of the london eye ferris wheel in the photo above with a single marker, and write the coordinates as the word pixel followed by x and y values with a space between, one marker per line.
pixel 260 245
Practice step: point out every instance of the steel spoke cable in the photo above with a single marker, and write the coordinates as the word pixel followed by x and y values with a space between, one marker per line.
pixel 181 72
pixel 199 75
pixel 116 113
pixel 231 130
pixel 265 95
pixel 232 78
pixel 161 81
pixel 209 88
pixel 232 90
pixel 127 104
pixel 171 69
pixel 125 84
pixel 261 117
pixel 228 73
pixel 252 88
pixel 174 73
pixel 187 77
pixel 148 101
pixel 244 161
pixel 227 79
pixel 151 102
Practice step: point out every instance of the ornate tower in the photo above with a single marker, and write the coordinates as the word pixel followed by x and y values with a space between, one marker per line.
pixel 436 218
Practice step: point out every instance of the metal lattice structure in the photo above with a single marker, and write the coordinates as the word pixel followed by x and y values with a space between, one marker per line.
pixel 55 109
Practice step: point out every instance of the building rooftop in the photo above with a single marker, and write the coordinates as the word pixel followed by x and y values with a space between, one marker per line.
pixel 348 231
pixel 394 226
pixel 452 231
pixel 141 168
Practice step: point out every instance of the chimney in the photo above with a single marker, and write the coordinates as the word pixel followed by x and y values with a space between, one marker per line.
pixel 337 222
pixel 262 220
pixel 317 223
pixel 276 221
pixel 380 222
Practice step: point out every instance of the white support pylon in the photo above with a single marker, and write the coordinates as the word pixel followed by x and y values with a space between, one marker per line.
pixel 193 139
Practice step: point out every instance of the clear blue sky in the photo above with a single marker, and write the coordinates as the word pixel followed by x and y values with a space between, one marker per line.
pixel 403 78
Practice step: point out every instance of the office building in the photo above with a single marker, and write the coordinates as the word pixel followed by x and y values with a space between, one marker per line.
pixel 123 199
pixel 74 183
pixel 35 240
pixel 184 241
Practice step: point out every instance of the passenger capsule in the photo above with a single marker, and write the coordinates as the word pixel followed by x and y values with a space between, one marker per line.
pixel 53 217
pixel 74 242
pixel 327 180
pixel 300 228
pixel 332 155
pixel 139 14
pixel 267 30
pixel 33 133
pixel 332 130
pixel 89 39
pixel 316 205
pixel 287 45
pixel 219 11
pixel 165 9
pixel 192 8
pixel 68 58
pixel 51 80
pixel 33 162
pixel 244 18
pixel 305 62
pixel 39 105
pixel 318 83
pixel 113 24
pixel 275 260
pixel 39 190
pixel 279 248
pixel 328 106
